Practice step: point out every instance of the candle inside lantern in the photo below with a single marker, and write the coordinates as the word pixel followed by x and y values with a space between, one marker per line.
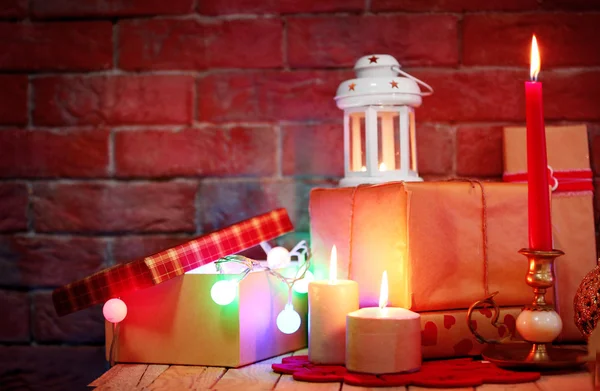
pixel 329 302
pixel 383 340
pixel 540 226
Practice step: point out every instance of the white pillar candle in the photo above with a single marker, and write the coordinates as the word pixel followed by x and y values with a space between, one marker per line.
pixel 328 304
pixel 383 340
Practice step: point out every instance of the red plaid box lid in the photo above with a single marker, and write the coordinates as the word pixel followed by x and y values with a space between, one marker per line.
pixel 170 263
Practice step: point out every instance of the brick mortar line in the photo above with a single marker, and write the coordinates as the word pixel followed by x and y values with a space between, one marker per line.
pixel 110 169
pixel 105 236
pixel 174 128
pixel 270 15
pixel 278 151
pixel 149 180
pixel 458 68
pixel 198 208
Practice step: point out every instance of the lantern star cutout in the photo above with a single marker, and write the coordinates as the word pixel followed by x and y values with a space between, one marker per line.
pixel 373 59
pixel 394 84
pixel 351 86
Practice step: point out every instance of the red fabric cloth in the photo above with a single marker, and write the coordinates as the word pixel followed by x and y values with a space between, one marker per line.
pixel 462 372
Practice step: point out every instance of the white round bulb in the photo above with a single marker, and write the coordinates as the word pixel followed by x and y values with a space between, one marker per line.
pixel 539 326
pixel 301 286
pixel 278 257
pixel 224 292
pixel 288 320
pixel 114 310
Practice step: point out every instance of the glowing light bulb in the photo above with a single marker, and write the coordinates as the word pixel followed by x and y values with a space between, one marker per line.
pixel 224 292
pixel 278 257
pixel 114 310
pixel 302 285
pixel 288 320
pixel 382 167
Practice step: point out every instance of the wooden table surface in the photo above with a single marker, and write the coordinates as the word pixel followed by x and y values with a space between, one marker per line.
pixel 259 376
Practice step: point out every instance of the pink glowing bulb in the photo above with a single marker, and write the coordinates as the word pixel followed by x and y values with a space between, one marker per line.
pixel 114 310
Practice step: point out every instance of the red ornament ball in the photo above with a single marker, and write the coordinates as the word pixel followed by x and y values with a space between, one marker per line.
pixel 586 302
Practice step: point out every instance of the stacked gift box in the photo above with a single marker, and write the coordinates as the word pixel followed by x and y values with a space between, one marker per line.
pixel 448 244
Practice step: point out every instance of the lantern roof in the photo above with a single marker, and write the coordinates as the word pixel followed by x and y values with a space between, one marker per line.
pixel 379 82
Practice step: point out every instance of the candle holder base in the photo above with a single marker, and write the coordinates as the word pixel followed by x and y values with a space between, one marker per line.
pixel 534 356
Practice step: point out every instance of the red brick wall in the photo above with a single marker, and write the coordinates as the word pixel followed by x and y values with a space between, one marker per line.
pixel 130 125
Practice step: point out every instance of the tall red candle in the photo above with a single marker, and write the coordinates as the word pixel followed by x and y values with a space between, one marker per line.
pixel 540 225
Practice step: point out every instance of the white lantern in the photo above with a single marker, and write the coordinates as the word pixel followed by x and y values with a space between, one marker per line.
pixel 379 122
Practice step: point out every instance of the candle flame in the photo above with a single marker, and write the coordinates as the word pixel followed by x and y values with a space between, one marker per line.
pixel 333 265
pixel 383 294
pixel 382 167
pixel 535 64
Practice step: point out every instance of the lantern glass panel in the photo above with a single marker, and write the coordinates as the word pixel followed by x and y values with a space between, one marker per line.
pixel 357 137
pixel 413 141
pixel 388 140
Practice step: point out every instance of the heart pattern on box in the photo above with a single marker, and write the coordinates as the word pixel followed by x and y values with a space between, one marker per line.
pixel 429 334
pixel 449 321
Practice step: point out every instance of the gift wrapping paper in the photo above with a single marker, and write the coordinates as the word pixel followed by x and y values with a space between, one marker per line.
pixel 170 263
pixel 572 208
pixel 441 247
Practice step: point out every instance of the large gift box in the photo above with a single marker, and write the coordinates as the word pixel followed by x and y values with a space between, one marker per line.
pixel 572 207
pixel 444 245
pixel 171 317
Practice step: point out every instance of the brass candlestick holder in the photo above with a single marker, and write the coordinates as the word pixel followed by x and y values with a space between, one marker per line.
pixel 538 323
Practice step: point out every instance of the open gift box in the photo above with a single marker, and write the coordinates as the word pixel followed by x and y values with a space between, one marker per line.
pixel 171 318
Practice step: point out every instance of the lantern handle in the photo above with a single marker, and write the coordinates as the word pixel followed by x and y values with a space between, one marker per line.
pixel 427 93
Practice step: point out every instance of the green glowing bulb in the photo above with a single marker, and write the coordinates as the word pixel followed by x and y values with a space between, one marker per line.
pixel 224 292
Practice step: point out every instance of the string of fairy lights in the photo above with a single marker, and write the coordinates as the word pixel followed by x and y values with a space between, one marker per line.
pixel 225 291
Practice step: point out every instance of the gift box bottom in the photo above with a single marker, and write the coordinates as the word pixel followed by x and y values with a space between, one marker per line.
pixel 446 333
pixel 177 322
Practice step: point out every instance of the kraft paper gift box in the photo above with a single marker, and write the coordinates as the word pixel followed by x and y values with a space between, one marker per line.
pixel 172 318
pixel 572 207
pixel 442 248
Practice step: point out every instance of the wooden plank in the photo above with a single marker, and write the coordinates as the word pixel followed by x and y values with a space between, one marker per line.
pixel 287 383
pixel 509 387
pixel 580 381
pixel 126 376
pixel 257 376
pixel 179 377
pixel 413 388
pixel 348 387
pixel 151 374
